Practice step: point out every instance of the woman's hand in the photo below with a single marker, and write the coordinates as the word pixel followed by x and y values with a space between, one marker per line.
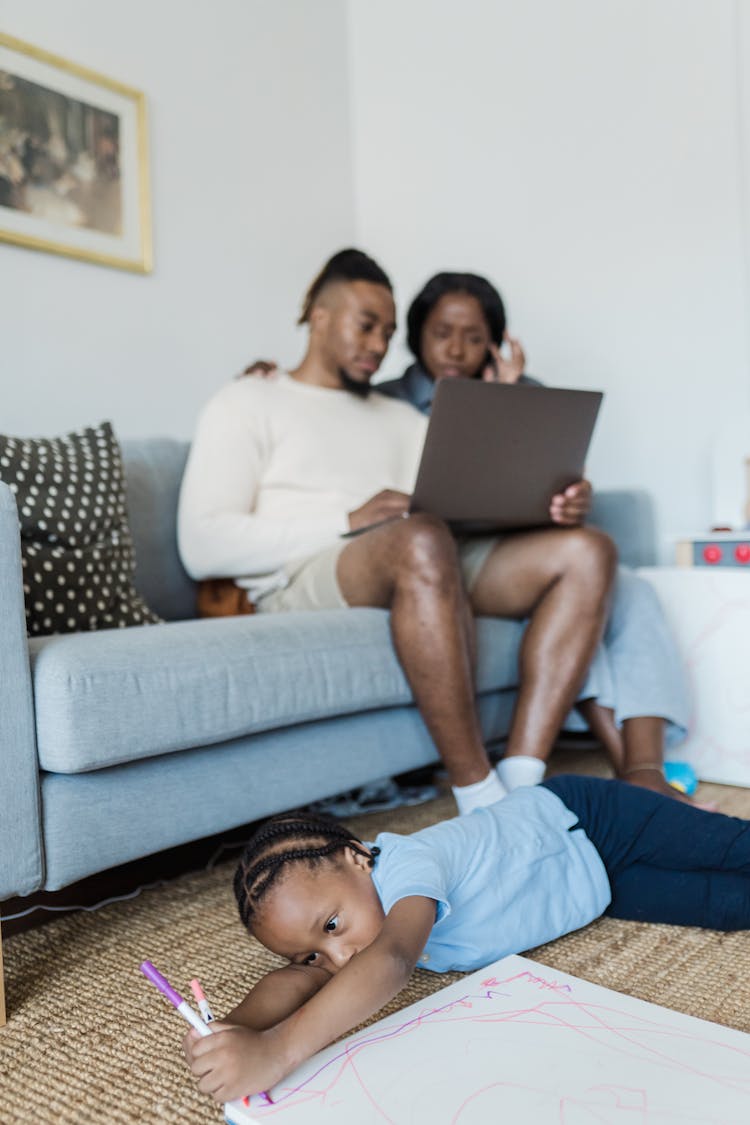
pixel 570 508
pixel 505 370
pixel 233 1062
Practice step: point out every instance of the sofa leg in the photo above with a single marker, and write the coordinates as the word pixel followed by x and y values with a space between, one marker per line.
pixel 2 980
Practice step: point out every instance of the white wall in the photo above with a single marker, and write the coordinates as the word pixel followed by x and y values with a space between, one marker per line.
pixel 588 155
pixel 251 189
pixel 585 155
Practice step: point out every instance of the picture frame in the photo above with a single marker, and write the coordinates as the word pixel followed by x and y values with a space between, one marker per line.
pixel 73 160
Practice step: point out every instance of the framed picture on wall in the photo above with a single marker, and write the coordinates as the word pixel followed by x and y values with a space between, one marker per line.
pixel 73 160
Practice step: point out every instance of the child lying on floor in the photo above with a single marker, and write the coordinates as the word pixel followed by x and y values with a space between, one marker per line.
pixel 354 919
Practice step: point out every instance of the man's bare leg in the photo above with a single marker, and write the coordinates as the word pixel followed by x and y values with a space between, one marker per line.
pixel 411 566
pixel 560 580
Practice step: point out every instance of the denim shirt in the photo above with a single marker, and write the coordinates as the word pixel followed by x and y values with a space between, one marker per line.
pixel 418 388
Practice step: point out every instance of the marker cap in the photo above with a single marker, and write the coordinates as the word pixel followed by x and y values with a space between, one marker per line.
pixel 198 992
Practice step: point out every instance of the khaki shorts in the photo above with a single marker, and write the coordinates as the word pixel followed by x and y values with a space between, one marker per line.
pixel 312 584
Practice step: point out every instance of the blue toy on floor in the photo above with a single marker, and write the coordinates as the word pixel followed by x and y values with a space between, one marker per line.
pixel 682 776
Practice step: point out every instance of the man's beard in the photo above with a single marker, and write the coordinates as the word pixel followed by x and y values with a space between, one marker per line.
pixel 361 390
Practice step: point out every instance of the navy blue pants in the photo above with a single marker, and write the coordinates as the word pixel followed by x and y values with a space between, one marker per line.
pixel 666 861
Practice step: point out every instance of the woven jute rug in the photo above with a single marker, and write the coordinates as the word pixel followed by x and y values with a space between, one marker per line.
pixel 89 1039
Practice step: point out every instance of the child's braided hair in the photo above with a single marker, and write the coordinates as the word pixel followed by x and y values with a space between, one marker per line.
pixel 284 840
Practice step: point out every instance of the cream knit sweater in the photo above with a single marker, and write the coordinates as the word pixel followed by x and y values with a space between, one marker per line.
pixel 277 465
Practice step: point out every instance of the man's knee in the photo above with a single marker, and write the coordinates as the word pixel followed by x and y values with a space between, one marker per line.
pixel 427 550
pixel 589 551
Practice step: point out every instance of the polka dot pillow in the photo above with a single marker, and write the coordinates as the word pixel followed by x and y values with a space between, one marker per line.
pixel 76 547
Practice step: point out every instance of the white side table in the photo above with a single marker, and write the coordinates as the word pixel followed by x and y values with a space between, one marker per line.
pixel 709 613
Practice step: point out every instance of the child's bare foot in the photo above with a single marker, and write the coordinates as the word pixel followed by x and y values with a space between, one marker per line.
pixel 652 778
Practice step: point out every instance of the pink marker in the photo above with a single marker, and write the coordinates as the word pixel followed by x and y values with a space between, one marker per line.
pixel 202 1002
pixel 174 998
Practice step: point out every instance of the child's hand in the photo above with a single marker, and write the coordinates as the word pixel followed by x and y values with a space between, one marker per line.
pixel 233 1061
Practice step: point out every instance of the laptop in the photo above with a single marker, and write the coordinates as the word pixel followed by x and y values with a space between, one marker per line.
pixel 495 454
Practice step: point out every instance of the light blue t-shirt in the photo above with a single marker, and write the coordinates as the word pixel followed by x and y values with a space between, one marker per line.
pixel 505 878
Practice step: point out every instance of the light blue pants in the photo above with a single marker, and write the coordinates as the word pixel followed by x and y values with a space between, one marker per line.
pixel 637 669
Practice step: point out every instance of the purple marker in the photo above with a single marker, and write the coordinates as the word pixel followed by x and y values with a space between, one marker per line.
pixel 174 998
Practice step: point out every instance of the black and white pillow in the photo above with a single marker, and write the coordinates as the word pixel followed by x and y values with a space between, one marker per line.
pixel 76 546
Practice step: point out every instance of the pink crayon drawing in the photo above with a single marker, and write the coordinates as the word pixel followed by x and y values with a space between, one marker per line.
pixel 520 1042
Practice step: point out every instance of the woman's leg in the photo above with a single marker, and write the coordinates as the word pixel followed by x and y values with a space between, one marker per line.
pixel 640 744
pixel 647 670
pixel 648 682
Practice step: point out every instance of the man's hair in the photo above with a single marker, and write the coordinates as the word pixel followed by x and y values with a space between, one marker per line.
pixel 347 265
pixel 437 287
pixel 294 837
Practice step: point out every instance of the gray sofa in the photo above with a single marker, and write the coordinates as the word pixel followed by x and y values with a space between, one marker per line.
pixel 122 743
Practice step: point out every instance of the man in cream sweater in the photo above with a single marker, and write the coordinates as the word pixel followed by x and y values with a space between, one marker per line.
pixel 281 468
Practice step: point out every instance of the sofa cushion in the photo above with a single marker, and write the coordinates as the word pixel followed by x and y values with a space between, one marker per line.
pixel 117 696
pixel 76 549
pixel 153 472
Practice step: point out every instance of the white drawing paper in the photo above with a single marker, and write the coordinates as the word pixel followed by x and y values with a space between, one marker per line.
pixel 520 1042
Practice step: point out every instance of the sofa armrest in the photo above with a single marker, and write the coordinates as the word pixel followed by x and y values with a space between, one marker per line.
pixel 628 517
pixel 21 868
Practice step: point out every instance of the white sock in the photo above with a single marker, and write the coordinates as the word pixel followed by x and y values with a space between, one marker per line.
pixel 479 794
pixel 520 770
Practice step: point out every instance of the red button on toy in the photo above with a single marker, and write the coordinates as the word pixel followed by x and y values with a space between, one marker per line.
pixel 742 553
pixel 712 554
